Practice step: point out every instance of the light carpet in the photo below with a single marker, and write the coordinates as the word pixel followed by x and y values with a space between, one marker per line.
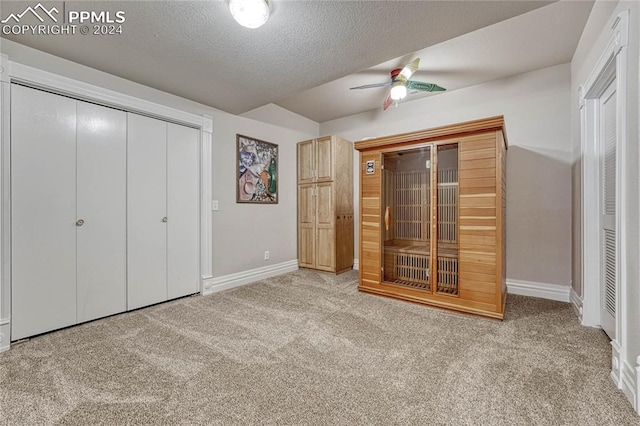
pixel 308 348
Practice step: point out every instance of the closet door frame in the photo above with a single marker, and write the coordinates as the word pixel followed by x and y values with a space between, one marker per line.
pixel 13 72
pixel 611 67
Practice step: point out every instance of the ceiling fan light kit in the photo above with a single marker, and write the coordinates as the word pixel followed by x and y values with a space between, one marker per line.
pixel 398 91
pixel 249 13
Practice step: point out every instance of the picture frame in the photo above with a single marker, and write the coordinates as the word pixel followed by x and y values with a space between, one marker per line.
pixel 256 171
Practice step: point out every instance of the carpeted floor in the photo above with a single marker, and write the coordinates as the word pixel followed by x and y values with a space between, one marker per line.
pixel 308 348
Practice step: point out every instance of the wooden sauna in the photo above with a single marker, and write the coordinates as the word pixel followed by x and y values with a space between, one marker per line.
pixel 432 216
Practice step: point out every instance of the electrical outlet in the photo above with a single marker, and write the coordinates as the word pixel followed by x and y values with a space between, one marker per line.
pixel 266 255
pixel 214 205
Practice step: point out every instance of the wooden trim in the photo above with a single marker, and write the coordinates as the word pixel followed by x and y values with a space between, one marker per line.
pixel 453 305
pixel 453 130
pixel 206 191
pixel 433 239
pixel 499 224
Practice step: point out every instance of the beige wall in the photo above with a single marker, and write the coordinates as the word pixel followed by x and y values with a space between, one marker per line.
pixel 536 110
pixel 274 114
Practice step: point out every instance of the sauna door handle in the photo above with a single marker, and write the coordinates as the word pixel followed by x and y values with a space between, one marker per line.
pixel 386 219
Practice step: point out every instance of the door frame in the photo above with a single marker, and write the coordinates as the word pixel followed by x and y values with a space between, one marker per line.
pixel 14 72
pixel 611 66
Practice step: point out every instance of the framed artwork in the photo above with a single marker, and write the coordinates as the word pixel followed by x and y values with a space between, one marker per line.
pixel 257 171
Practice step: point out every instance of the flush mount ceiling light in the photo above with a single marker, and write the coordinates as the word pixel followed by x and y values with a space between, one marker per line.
pixel 249 13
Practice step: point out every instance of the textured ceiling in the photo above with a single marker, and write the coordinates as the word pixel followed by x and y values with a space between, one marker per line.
pixel 542 38
pixel 194 49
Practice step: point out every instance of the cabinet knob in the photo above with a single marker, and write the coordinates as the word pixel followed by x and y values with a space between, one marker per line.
pixel 79 222
pixel 164 219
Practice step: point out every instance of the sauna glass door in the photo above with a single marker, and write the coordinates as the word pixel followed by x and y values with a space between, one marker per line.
pixel 446 249
pixel 406 204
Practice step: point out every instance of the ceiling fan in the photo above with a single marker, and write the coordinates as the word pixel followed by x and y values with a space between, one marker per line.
pixel 400 84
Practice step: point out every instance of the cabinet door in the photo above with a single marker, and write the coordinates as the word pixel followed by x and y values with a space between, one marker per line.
pixel 101 204
pixel 182 211
pixel 43 211
pixel 306 226
pixel 325 228
pixel 306 162
pixel 146 208
pixel 324 159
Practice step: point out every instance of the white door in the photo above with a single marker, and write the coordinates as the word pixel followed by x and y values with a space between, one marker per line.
pixel 146 211
pixel 608 156
pixel 43 211
pixel 101 206
pixel 182 210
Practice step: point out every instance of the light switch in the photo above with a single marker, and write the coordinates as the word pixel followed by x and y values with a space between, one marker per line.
pixel 214 205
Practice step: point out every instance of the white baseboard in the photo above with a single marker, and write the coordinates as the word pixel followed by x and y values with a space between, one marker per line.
pixel 5 336
pixel 225 282
pixel 356 264
pixel 576 301
pixel 542 290
pixel 629 384
pixel 637 402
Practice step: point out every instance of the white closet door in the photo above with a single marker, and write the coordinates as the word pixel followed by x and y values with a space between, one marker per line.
pixel 43 211
pixel 182 204
pixel 101 205
pixel 609 250
pixel 146 208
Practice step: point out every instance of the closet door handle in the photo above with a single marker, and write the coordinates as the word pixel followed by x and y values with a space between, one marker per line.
pixel 79 222
pixel 164 219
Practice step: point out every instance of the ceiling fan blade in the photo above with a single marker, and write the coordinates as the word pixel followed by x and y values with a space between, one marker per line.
pixel 424 87
pixel 369 86
pixel 387 102
pixel 408 70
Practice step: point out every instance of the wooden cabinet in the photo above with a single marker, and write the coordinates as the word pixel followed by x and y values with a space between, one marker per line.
pixel 432 216
pixel 325 204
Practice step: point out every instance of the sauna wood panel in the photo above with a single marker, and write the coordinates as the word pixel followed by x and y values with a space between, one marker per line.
pixel 477 248
pixel 481 258
pixel 478 221
pixel 479 268
pixel 487 287
pixel 482 233
pixel 488 240
pixel 477 173
pixel 473 276
pixel 478 191
pixel 477 211
pixel 489 182
pixel 476 154
pixel 479 296
pixel 478 200
pixel 480 163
